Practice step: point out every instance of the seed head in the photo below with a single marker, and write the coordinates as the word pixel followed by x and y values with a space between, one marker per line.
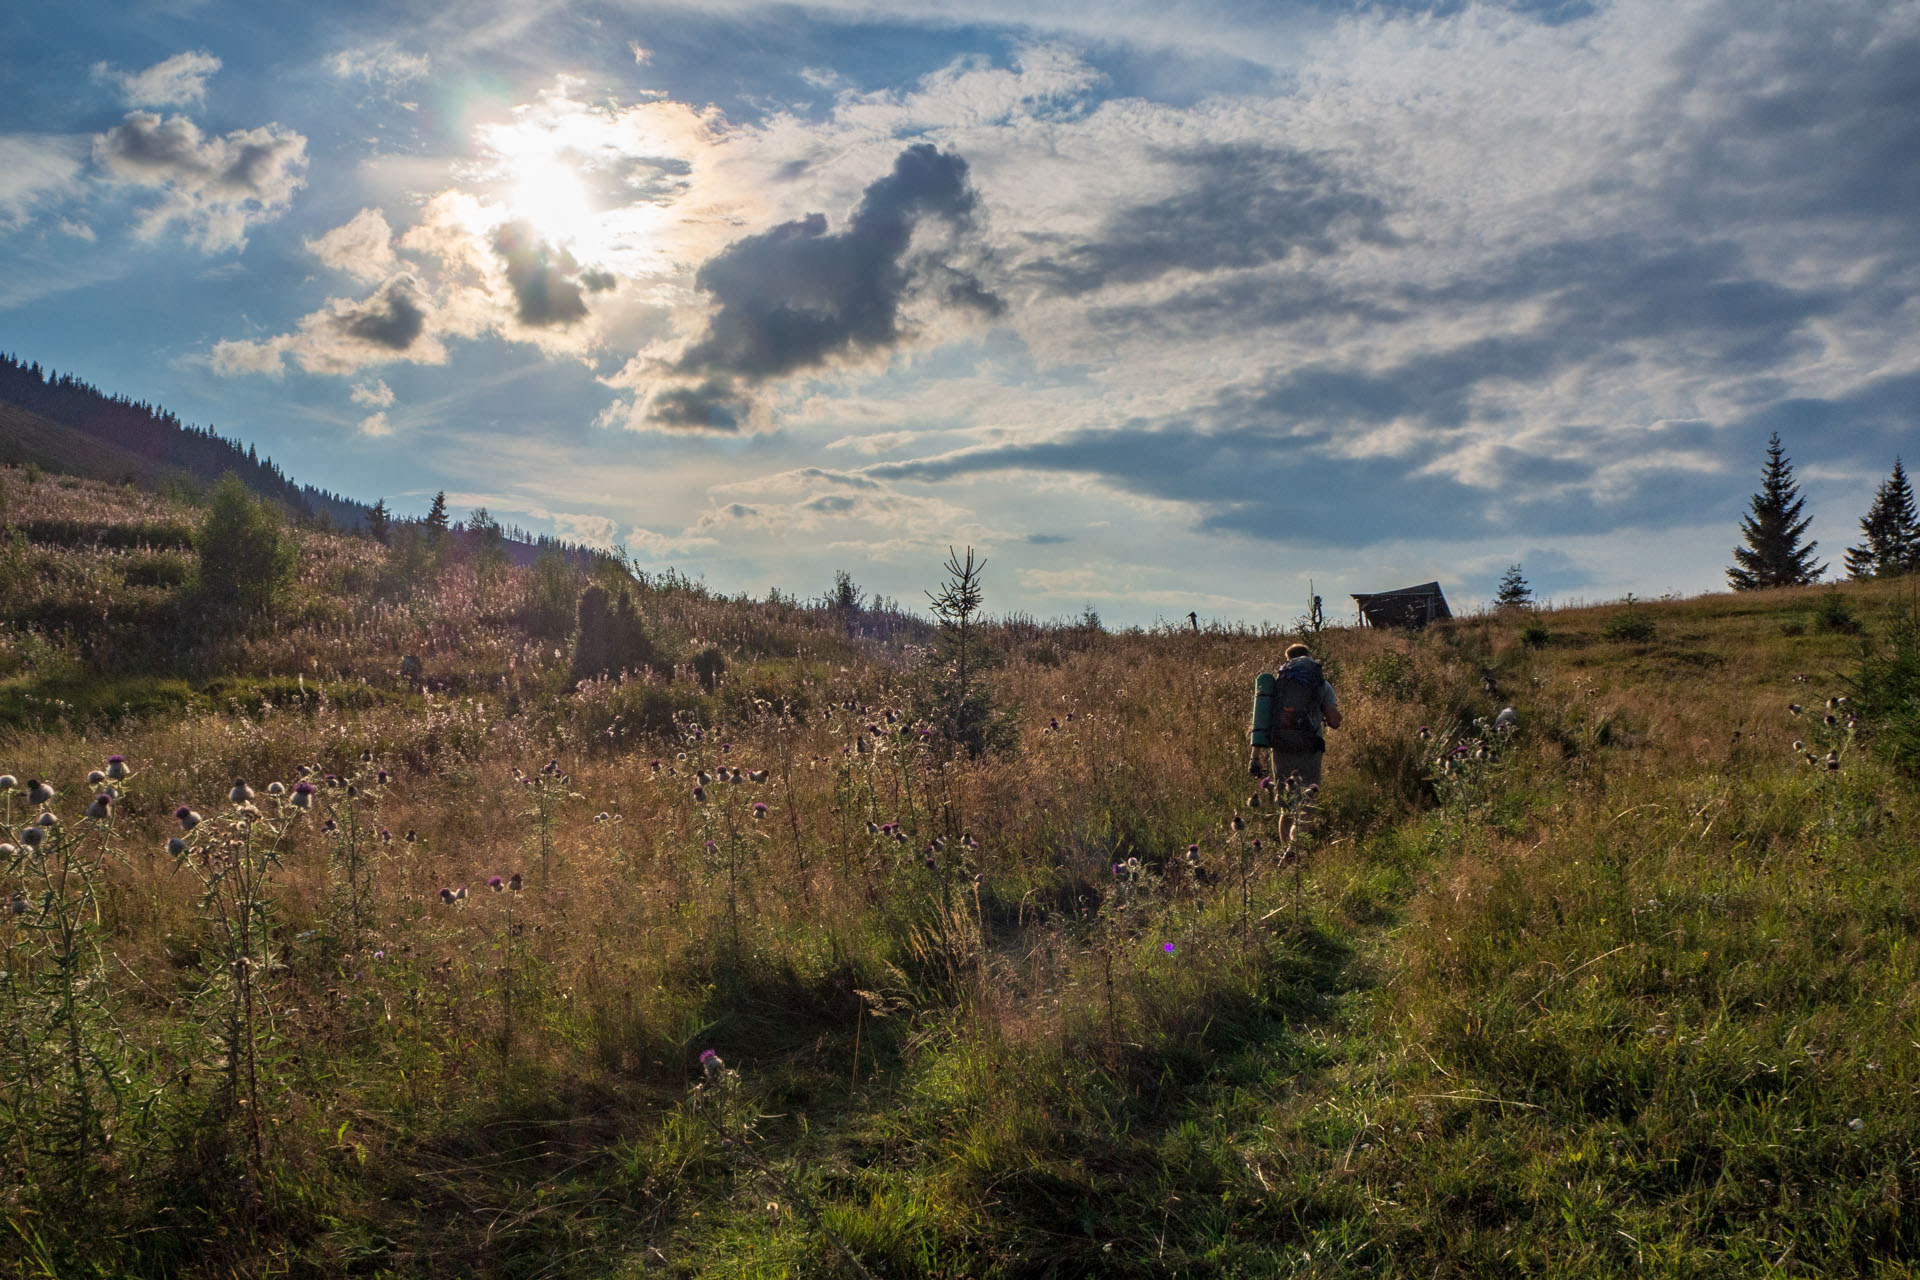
pixel 48 820
pixel 1798 745
pixel 95 778
pixel 33 835
pixel 700 795
pixel 176 846
pixel 102 806
pixel 1239 823
pixel 8 782
pixel 446 896
pixel 116 767
pixel 513 882
pixel 39 792
pixel 276 788
pixel 17 904
pixel 1795 708
pixel 188 818
pixel 241 792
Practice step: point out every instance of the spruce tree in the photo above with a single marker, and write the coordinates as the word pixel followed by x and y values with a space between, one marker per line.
pixel 1774 556
pixel 1893 532
pixel 437 516
pixel 1513 591
pixel 379 521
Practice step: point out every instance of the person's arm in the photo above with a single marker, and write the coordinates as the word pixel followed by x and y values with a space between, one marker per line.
pixel 1329 707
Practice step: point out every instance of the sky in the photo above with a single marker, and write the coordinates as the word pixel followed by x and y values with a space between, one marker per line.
pixel 1161 306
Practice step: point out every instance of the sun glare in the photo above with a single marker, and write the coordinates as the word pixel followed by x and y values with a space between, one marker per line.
pixel 549 195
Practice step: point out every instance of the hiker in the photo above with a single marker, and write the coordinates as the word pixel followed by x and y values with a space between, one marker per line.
pixel 1300 707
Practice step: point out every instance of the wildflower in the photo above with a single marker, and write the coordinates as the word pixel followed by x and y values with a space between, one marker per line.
pixel 1798 746
pixel 9 850
pixel 1193 851
pixel 700 795
pixel 712 847
pixel 188 818
pixel 710 1064
pixel 32 835
pixel 8 782
pixel 759 808
pixel 1239 823
pixel 176 846
pixel 380 955
pixel 241 792
pixel 1795 708
pixel 1253 801
pixel 756 775
pixel 48 820
pixel 899 836
pixel 382 777
pixel 1832 719
pixel 366 757
pixel 102 806
pixel 386 836
pixel 1133 866
pixel 411 837
pixel 968 842
pixel 1256 844
pixel 603 816
pixel 303 796
pixel 931 864
pixel 329 825
pixel 1812 758
pixel 303 770
pixel 873 828
pixel 39 792
pixel 461 893
pixel 656 766
pixel 95 778
pixel 1833 760
pixel 1167 947
pixel 513 882
pixel 496 884
pixel 446 896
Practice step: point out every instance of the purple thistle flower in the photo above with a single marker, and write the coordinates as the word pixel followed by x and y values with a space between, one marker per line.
pixel 759 808
pixel 710 1063
pixel 495 883
pixel 514 882
pixel 1167 947
pixel 116 767
pixel 188 818
pixel 302 795
pixel 1193 851
pixel 712 847
pixel 446 896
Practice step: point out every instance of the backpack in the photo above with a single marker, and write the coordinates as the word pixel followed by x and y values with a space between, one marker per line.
pixel 1291 703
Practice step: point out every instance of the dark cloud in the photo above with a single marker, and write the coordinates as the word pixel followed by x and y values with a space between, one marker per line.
pixel 392 318
pixel 1239 207
pixel 1046 540
pixel 548 283
pixel 799 297
pixel 218 186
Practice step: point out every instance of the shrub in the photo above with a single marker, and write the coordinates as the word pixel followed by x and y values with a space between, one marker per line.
pixel 1630 627
pixel 1835 615
pixel 1885 691
pixel 553 590
pixel 709 666
pixel 246 555
pixel 1536 636
pixel 611 637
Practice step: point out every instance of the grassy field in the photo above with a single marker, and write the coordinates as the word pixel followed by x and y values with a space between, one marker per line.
pixel 790 988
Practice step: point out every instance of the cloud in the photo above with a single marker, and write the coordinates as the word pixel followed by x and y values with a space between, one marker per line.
pixel 393 323
pixel 36 171
pixel 1237 206
pixel 798 297
pixel 549 286
pixel 362 246
pixel 376 424
pixel 384 64
pixel 217 187
pixel 374 395
pixel 180 81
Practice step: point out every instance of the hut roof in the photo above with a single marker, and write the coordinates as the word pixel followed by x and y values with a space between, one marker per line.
pixel 1405 607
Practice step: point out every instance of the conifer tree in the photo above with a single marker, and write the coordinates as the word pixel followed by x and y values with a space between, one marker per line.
pixel 379 521
pixel 437 516
pixel 1774 556
pixel 1513 591
pixel 1892 544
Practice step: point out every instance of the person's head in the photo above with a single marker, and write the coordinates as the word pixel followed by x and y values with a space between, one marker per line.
pixel 1296 651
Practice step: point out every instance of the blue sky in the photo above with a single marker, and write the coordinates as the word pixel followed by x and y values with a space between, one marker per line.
pixel 1163 306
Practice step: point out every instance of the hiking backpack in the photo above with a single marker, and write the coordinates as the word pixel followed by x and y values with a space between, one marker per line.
pixel 1286 707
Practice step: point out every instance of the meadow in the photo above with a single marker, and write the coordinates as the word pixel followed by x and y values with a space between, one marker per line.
pixel 750 971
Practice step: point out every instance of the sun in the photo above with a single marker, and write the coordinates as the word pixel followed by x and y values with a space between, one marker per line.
pixel 547 193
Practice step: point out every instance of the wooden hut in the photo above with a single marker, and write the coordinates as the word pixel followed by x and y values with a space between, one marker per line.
pixel 1407 607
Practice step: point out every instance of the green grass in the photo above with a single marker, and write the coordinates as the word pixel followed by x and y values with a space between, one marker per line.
pixel 1628 991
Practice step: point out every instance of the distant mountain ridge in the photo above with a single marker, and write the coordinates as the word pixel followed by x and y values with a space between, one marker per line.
pixel 63 424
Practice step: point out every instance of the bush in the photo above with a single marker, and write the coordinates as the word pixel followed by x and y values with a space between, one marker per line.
pixel 1885 692
pixel 611 637
pixel 162 569
pixel 1835 615
pixel 709 665
pixel 1630 627
pixel 1536 636
pixel 246 554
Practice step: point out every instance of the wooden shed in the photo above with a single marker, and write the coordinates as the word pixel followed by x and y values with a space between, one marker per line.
pixel 1407 607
